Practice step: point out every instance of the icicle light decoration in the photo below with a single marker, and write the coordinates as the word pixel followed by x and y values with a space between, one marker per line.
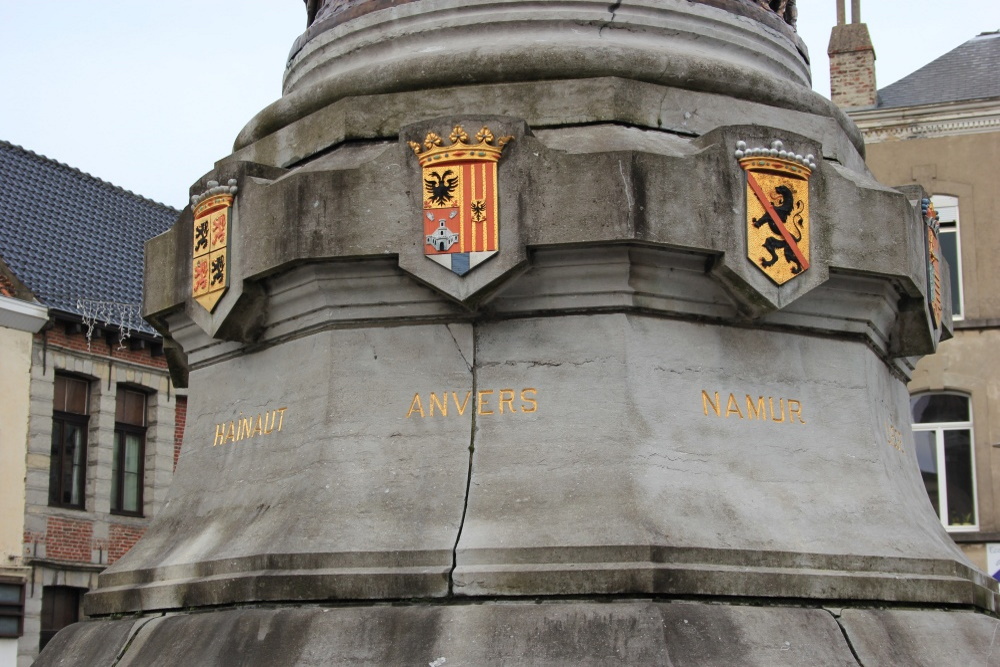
pixel 127 315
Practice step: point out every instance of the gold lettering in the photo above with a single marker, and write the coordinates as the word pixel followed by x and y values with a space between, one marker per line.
pixel 509 400
pixel 480 402
pixel 461 408
pixel 761 407
pixel 732 406
pixel 706 400
pixel 529 401
pixel 245 427
pixel 781 409
pixel 760 412
pixel 415 406
pixel 442 404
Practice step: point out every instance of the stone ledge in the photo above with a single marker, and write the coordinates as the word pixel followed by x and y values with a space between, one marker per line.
pixel 541 632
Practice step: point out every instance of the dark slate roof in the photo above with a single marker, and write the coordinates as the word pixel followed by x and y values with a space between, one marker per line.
pixel 74 240
pixel 969 72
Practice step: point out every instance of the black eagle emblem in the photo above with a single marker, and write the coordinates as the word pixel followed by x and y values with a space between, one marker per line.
pixel 478 210
pixel 441 186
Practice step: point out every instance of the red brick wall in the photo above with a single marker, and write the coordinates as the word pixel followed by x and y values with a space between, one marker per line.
pixel 58 337
pixel 121 539
pixel 852 79
pixel 180 420
pixel 30 539
pixel 67 539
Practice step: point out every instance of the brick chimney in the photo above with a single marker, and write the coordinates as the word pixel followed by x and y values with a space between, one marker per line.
pixel 852 61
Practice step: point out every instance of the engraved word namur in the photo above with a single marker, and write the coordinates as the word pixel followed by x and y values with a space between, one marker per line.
pixel 762 408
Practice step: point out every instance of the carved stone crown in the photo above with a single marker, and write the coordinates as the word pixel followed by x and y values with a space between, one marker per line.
pixel 215 189
pixel 776 156
pixel 433 149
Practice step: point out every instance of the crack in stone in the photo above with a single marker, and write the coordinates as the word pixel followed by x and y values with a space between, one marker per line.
pixel 612 8
pixel 459 347
pixel 628 190
pixel 847 637
pixel 472 451
pixel 132 637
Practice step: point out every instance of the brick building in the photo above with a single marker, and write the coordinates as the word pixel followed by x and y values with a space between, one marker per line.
pixel 99 423
pixel 939 128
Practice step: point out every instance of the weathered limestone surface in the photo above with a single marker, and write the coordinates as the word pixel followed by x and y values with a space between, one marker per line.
pixel 639 632
pixel 386 462
pixel 323 506
pixel 921 638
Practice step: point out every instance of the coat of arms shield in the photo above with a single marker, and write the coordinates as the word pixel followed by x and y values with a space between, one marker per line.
pixel 933 225
pixel 461 216
pixel 210 249
pixel 777 221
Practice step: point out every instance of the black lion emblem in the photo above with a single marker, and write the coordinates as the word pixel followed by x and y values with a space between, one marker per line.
pixel 773 244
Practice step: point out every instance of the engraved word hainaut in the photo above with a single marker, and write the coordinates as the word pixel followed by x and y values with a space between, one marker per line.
pixel 249 426
pixel 487 402
pixel 763 408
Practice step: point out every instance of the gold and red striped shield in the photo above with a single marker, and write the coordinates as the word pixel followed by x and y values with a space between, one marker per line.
pixel 461 213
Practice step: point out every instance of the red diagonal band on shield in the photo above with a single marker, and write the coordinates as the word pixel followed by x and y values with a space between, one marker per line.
pixel 757 190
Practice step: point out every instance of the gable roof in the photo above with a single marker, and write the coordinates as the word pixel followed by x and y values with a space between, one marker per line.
pixel 969 72
pixel 74 240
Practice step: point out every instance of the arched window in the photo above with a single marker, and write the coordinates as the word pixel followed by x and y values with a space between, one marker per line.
pixel 942 432
pixel 947 210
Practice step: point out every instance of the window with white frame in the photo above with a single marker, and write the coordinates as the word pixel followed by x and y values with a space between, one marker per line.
pixel 942 433
pixel 951 247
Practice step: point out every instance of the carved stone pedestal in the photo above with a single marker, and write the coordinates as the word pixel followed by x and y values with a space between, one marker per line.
pixel 646 423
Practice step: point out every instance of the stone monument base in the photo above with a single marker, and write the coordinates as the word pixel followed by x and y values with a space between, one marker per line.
pixel 569 632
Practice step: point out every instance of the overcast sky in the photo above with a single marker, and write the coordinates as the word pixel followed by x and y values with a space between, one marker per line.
pixel 147 94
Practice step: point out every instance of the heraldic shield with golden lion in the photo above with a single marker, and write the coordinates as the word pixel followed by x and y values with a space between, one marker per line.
pixel 461 215
pixel 777 209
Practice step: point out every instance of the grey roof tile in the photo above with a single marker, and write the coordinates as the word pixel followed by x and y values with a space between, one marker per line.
pixel 74 239
pixel 969 72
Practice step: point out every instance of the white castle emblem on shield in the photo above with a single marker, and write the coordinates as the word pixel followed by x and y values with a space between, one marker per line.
pixel 442 238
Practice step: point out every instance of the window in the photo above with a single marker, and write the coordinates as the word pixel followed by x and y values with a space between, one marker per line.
pixel 947 210
pixel 942 432
pixel 11 609
pixel 60 607
pixel 68 467
pixel 129 452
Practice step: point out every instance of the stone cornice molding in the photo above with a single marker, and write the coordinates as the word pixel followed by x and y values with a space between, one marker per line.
pixel 928 121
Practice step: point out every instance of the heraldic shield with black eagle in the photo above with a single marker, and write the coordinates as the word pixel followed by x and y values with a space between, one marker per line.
pixel 777 209
pixel 461 214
